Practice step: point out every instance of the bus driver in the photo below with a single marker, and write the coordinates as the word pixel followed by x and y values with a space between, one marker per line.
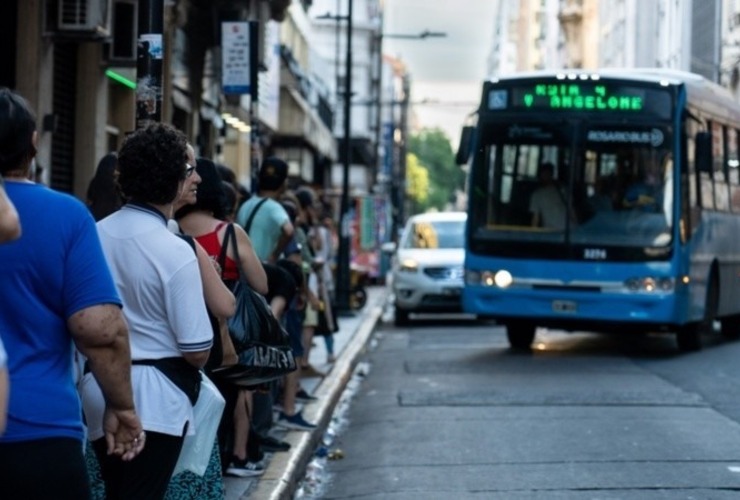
pixel 547 203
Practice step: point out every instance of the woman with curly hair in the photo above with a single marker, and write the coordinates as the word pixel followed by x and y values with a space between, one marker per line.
pixel 157 275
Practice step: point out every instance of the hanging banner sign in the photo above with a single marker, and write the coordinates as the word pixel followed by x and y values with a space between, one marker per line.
pixel 236 64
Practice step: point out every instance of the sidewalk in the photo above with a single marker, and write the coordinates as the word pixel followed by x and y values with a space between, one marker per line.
pixel 284 470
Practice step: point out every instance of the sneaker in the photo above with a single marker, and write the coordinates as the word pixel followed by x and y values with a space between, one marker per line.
pixel 331 359
pixel 243 468
pixel 270 444
pixel 295 422
pixel 304 397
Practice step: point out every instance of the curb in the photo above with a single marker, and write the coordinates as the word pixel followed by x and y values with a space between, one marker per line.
pixel 280 480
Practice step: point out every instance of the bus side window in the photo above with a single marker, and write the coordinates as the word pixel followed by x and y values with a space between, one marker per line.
pixel 721 189
pixel 733 179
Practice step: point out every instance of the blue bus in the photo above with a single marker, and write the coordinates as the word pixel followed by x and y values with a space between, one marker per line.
pixel 605 201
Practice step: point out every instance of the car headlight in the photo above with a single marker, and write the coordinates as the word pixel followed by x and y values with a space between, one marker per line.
pixel 408 266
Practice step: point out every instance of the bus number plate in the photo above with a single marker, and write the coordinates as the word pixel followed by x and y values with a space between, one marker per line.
pixel 564 306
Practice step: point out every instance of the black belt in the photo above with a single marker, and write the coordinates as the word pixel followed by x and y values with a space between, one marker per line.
pixel 181 373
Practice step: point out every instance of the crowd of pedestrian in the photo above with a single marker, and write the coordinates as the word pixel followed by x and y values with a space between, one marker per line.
pixel 115 313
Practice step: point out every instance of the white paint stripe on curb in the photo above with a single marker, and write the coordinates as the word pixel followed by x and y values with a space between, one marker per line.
pixel 280 480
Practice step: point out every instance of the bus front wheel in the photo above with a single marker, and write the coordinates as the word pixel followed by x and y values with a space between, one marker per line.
pixel 520 334
pixel 689 337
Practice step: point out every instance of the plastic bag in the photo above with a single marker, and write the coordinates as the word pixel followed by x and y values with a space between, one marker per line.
pixel 196 449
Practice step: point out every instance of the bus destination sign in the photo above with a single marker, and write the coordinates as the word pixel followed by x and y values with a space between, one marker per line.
pixel 580 97
pixel 575 96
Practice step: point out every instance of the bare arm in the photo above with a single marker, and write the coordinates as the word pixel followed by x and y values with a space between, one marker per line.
pixel 10 226
pixel 286 233
pixel 101 335
pixel 249 262
pixel 219 298
pixel 197 359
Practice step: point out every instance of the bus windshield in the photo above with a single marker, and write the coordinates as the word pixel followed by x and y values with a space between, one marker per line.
pixel 572 183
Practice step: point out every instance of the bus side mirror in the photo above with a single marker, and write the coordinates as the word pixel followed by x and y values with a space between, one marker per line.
pixel 703 152
pixel 463 150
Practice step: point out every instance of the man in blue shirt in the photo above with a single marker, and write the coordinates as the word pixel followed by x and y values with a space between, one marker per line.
pixel 55 290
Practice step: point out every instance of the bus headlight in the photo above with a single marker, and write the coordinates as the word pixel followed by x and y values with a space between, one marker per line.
pixel 501 279
pixel 650 284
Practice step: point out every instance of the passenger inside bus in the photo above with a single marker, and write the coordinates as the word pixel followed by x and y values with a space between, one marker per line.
pixel 645 195
pixel 547 203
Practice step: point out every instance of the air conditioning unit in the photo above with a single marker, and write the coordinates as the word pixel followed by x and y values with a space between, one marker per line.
pixel 84 17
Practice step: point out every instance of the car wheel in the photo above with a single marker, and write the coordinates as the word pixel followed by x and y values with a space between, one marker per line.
pixel 358 298
pixel 520 334
pixel 401 317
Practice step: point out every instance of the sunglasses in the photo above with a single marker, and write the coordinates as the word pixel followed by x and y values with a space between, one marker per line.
pixel 189 170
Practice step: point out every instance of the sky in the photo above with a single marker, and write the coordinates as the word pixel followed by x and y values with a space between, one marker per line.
pixel 446 72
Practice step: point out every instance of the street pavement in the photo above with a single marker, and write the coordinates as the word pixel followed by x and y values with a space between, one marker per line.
pixel 284 470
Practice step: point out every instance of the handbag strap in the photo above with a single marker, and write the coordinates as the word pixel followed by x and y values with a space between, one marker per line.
pixel 248 224
pixel 230 239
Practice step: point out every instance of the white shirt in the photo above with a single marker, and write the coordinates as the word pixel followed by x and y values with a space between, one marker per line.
pixel 548 202
pixel 157 276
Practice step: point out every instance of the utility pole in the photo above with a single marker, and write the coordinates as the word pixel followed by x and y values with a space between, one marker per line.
pixel 149 63
pixel 403 149
pixel 343 257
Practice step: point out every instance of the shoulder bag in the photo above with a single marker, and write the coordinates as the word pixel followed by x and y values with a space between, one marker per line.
pixel 262 345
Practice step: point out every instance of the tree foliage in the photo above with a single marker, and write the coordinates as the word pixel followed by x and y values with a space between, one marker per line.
pixel 434 152
pixel 417 181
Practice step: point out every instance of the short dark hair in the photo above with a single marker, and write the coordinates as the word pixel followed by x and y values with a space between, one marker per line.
pixel 290 209
pixel 306 196
pixel 17 125
pixel 226 173
pixel 211 196
pixel 273 173
pixel 151 164
pixel 547 167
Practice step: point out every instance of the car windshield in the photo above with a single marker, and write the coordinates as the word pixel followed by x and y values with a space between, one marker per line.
pixel 435 234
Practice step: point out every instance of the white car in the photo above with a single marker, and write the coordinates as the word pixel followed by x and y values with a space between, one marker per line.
pixel 427 268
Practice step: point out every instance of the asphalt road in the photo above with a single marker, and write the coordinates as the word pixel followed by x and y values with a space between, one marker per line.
pixel 447 411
